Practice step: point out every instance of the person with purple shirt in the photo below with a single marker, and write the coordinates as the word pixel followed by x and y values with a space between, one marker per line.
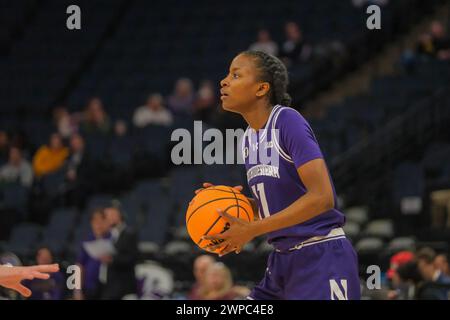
pixel 181 101
pixel 91 288
pixel 292 188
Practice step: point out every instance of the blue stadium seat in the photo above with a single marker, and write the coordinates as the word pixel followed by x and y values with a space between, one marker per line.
pixel 24 239
pixel 15 197
pixel 408 181
pixel 99 200
pixel 121 151
pixel 53 183
pixel 157 225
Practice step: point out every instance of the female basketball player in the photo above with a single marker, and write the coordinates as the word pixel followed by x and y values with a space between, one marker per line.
pixel 312 259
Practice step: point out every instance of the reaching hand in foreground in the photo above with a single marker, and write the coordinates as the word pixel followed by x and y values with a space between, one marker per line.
pixel 11 277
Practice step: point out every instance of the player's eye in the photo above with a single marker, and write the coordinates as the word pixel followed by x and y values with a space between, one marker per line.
pixel 235 75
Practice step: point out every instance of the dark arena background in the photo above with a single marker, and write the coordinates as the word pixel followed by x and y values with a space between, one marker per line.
pixel 90 96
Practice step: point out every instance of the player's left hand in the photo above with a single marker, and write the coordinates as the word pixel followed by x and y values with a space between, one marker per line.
pixel 239 233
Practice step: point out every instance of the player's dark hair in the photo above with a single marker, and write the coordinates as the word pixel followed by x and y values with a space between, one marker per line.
pixel 273 71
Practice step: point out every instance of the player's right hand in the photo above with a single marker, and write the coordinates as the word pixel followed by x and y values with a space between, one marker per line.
pixel 208 184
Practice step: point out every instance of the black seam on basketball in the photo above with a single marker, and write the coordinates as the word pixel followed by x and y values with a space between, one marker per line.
pixel 212 225
pixel 227 198
pixel 246 212
pixel 207 231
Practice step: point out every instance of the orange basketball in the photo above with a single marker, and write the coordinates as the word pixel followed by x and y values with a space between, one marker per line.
pixel 202 217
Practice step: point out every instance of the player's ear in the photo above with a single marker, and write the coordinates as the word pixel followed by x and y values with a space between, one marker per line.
pixel 263 89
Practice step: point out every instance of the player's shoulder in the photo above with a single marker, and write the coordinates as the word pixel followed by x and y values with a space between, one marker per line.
pixel 287 116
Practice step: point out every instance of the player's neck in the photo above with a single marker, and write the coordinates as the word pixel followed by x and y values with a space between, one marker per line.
pixel 257 116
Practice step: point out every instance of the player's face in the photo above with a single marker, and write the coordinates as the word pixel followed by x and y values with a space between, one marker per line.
pixel 239 87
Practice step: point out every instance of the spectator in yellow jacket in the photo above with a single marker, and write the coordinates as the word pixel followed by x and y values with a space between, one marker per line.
pixel 50 158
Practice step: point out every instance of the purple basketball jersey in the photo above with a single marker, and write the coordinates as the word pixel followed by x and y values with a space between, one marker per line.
pixel 272 156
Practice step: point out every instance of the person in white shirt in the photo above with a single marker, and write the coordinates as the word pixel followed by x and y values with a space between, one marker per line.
pixel 17 169
pixel 153 112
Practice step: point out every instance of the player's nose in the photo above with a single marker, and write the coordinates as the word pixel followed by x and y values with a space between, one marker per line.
pixel 224 82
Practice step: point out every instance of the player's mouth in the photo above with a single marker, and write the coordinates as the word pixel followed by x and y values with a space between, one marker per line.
pixel 223 95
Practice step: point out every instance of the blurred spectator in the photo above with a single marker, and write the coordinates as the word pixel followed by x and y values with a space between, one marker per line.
pixel 50 158
pixel 49 289
pixel 440 208
pixel 407 282
pixel 219 284
pixel 4 146
pixel 78 172
pixel 153 112
pixel 401 287
pixel 205 102
pixel 66 124
pixel 120 128
pixel 436 43
pixel 436 285
pixel 201 264
pixel 441 262
pixel 294 48
pixel 397 260
pixel 182 99
pixel 90 266
pixel 77 159
pixel 120 278
pixel 265 43
pixel 18 139
pixel 17 170
pixel 95 119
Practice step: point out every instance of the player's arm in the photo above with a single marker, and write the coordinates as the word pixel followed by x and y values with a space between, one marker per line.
pixel 318 199
pixel 255 208
pixel 302 149
pixel 298 141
